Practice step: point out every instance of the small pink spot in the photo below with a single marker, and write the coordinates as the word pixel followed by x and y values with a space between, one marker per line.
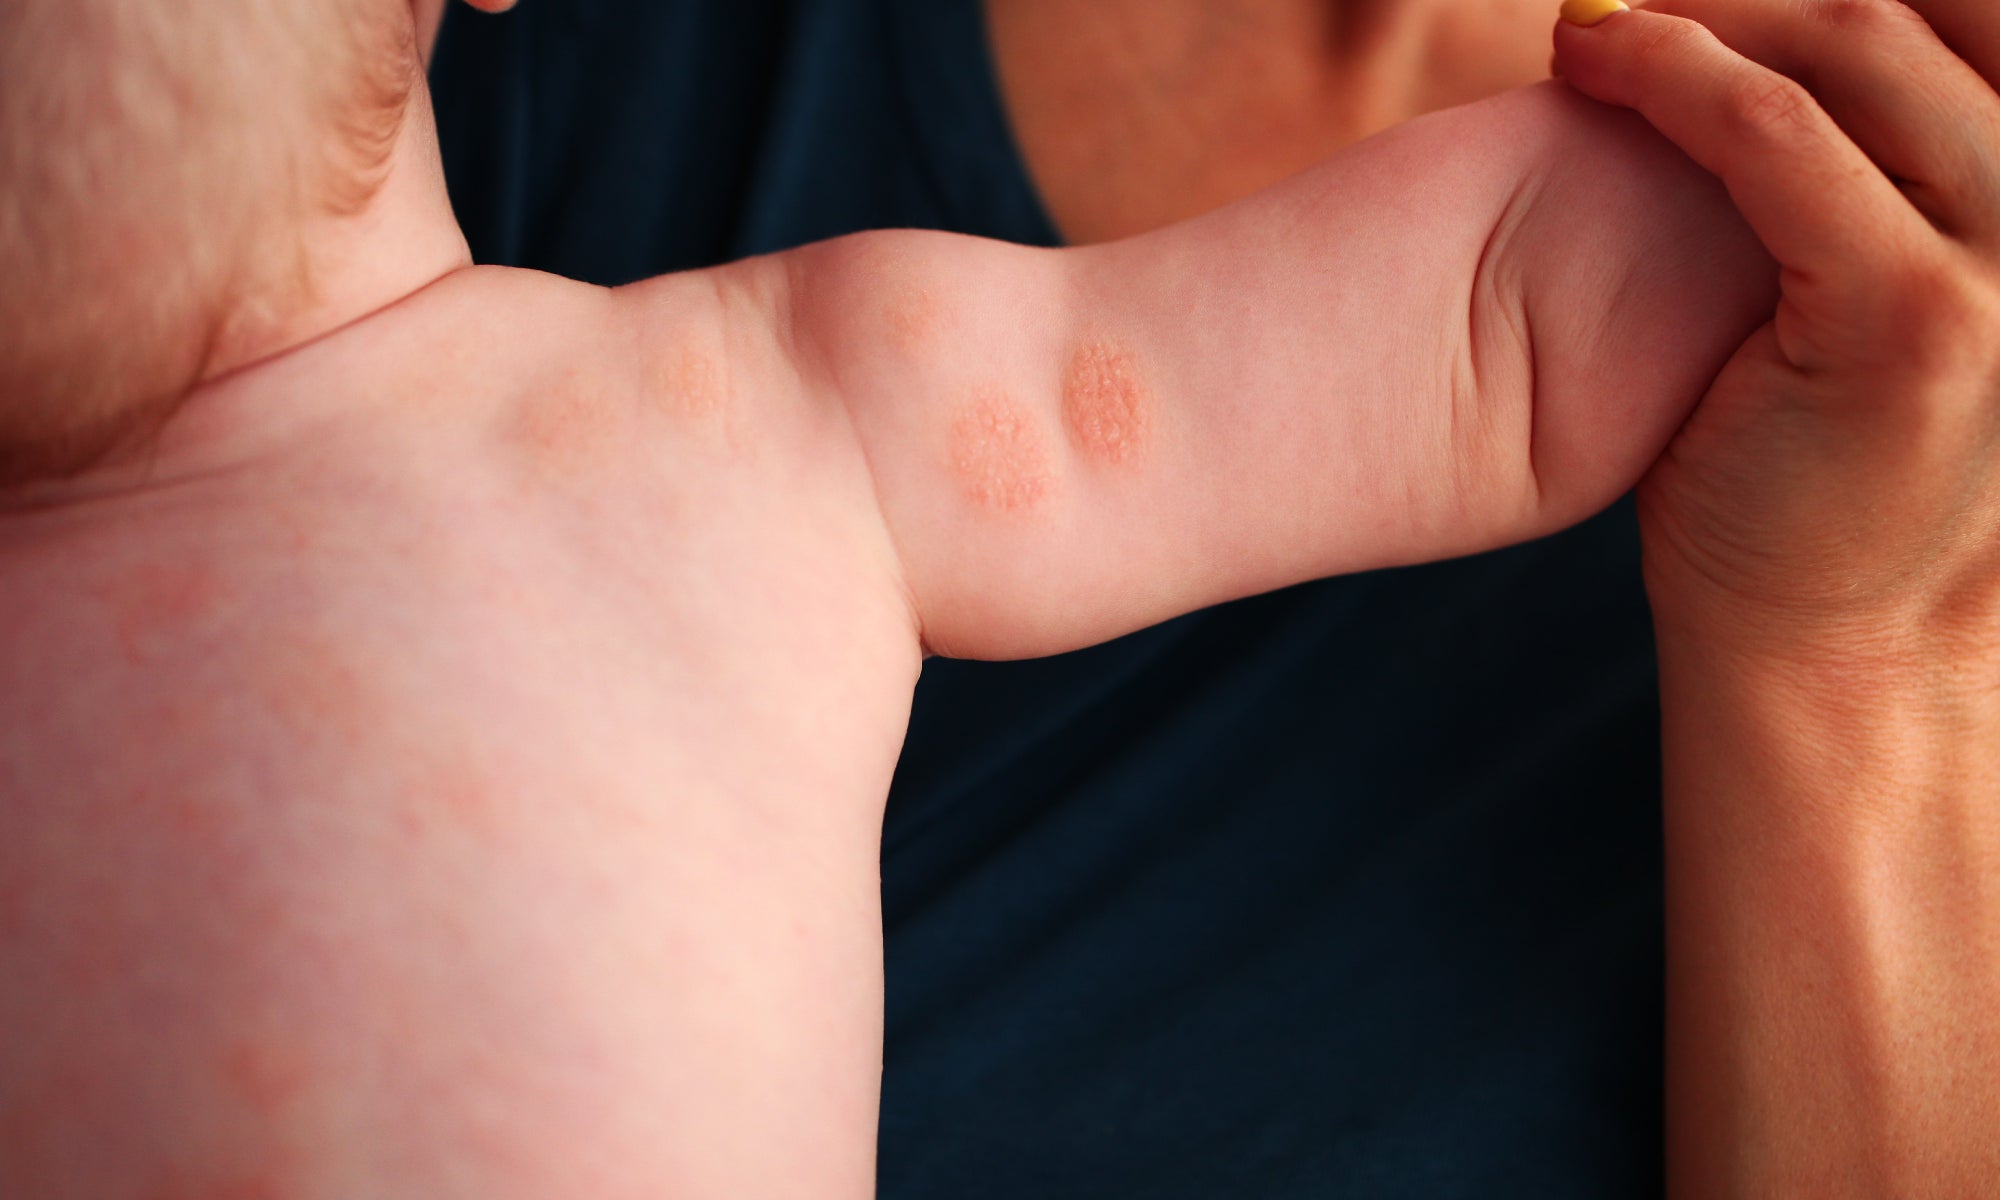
pixel 311 681
pixel 199 821
pixel 155 605
pixel 448 799
pixel 914 318
pixel 568 430
pixel 264 1074
pixel 467 800
pixel 690 384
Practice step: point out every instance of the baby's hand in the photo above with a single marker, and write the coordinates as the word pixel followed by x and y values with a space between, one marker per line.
pixel 1837 494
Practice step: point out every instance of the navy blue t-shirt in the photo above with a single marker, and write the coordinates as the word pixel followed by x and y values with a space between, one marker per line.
pixel 1351 890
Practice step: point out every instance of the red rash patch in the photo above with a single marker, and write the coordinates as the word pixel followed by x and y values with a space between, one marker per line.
pixel 690 385
pixel 569 431
pixel 155 606
pixel 264 1074
pixel 448 799
pixel 1106 407
pixel 913 319
pixel 308 681
pixel 998 454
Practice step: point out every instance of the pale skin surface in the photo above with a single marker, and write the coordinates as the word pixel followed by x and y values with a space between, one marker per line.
pixel 504 688
pixel 451 764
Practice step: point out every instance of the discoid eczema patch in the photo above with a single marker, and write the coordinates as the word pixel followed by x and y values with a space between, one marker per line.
pixel 998 454
pixel 913 319
pixel 568 429
pixel 1106 405
pixel 689 384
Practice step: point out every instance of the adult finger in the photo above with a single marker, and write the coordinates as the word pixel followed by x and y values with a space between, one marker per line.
pixel 1970 27
pixel 1826 212
pixel 1919 111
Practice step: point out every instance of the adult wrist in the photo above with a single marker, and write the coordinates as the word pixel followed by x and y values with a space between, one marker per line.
pixel 1863 716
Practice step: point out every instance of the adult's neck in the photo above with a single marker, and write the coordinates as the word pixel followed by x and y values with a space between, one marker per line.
pixel 1136 113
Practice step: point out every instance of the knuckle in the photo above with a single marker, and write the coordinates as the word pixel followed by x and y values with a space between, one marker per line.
pixel 1664 36
pixel 1768 107
pixel 1952 301
pixel 1947 316
pixel 1862 18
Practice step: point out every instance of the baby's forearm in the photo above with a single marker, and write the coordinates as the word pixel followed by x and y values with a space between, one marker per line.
pixel 1476 329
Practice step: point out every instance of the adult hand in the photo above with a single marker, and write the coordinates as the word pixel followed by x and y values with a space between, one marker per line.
pixel 1823 555
pixel 1837 492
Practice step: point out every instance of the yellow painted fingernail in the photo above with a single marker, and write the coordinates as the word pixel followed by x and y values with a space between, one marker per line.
pixel 1590 12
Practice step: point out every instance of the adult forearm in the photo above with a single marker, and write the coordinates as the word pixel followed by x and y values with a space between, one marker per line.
pixel 1833 922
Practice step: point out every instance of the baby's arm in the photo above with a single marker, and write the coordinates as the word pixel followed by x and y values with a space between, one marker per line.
pixel 1476 329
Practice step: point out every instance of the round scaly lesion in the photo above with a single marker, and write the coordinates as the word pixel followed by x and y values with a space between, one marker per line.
pixel 999 453
pixel 1107 408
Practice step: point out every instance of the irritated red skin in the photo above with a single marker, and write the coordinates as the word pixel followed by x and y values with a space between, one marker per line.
pixel 1107 407
pixel 1000 453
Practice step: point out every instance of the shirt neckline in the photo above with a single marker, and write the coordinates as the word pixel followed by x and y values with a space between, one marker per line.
pixel 952 92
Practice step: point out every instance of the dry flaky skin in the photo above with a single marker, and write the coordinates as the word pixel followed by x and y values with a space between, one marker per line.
pixel 999 453
pixel 1107 406
pixel 457 770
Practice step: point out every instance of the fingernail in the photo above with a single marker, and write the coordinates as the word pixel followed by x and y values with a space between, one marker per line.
pixel 1590 12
